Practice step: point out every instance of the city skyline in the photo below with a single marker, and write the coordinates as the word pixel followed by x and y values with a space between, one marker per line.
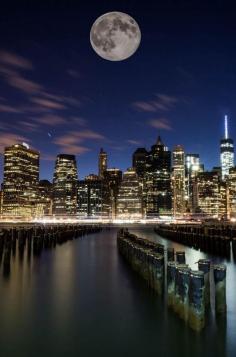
pixel 95 169
pixel 117 178
pixel 160 183
pixel 66 101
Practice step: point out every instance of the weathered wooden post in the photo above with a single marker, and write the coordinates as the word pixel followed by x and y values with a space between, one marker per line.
pixel 180 257
pixel 234 247
pixel 204 265
pixel 177 298
pixel 220 288
pixel 170 254
pixel 171 271
pixel 196 300
pixel 158 269
pixel 184 278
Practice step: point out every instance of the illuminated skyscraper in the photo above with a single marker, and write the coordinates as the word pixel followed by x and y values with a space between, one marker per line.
pixel 231 184
pixel 157 181
pixel 65 185
pixel 44 201
pixel 102 163
pixel 93 197
pixel 113 178
pixel 129 200
pixel 178 180
pixel 20 182
pixel 211 194
pixel 226 152
pixel 192 168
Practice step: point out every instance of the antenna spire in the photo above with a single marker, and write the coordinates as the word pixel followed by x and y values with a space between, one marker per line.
pixel 226 127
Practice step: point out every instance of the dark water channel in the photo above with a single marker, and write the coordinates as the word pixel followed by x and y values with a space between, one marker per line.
pixel 82 299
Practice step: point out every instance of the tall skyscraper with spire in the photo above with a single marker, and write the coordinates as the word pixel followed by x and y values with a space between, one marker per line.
pixel 102 163
pixel 226 152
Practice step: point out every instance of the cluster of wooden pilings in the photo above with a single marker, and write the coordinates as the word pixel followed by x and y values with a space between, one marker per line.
pixel 35 238
pixel 187 291
pixel 211 239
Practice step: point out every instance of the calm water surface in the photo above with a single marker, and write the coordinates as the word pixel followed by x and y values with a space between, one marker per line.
pixel 82 299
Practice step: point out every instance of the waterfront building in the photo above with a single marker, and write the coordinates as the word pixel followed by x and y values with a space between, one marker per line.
pixel 1 201
pixel 223 212
pixel 44 200
pixel 20 180
pixel 192 168
pixel 129 200
pixel 92 197
pixel 157 181
pixel 210 194
pixel 102 163
pixel 178 181
pixel 226 152
pixel 231 184
pixel 113 178
pixel 65 185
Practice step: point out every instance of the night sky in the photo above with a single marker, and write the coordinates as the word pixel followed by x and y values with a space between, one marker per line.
pixel 59 96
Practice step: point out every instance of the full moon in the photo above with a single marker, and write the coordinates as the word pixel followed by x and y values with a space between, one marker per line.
pixel 115 36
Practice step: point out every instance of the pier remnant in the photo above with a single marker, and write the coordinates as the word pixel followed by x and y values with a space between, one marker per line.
pixel 204 265
pixel 220 288
pixel 196 300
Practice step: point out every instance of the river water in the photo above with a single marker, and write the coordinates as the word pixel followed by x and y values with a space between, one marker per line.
pixel 82 299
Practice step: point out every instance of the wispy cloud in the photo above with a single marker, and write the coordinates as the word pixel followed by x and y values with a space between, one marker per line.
pixel 50 120
pixel 4 108
pixel 161 123
pixel 7 139
pixel 119 147
pixel 26 85
pixel 19 126
pixel 10 66
pixel 72 101
pixel 43 100
pixel 48 103
pixel 14 60
pixel 73 73
pixel 79 121
pixel 134 142
pixel 161 102
pixel 28 126
pixel 72 141
pixel 61 98
pixel 47 157
pixel 78 136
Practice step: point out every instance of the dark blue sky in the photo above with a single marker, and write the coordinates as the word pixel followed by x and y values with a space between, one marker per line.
pixel 59 96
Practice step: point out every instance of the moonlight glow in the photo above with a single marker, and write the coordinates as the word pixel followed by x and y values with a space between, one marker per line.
pixel 115 36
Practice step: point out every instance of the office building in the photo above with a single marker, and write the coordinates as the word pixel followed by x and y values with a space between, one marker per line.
pixel 113 178
pixel 178 181
pixel 208 196
pixel 65 185
pixel 20 180
pixel 45 198
pixel 157 181
pixel 93 198
pixel 192 168
pixel 129 200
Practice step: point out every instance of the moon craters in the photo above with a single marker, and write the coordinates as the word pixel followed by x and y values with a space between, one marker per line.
pixel 115 36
